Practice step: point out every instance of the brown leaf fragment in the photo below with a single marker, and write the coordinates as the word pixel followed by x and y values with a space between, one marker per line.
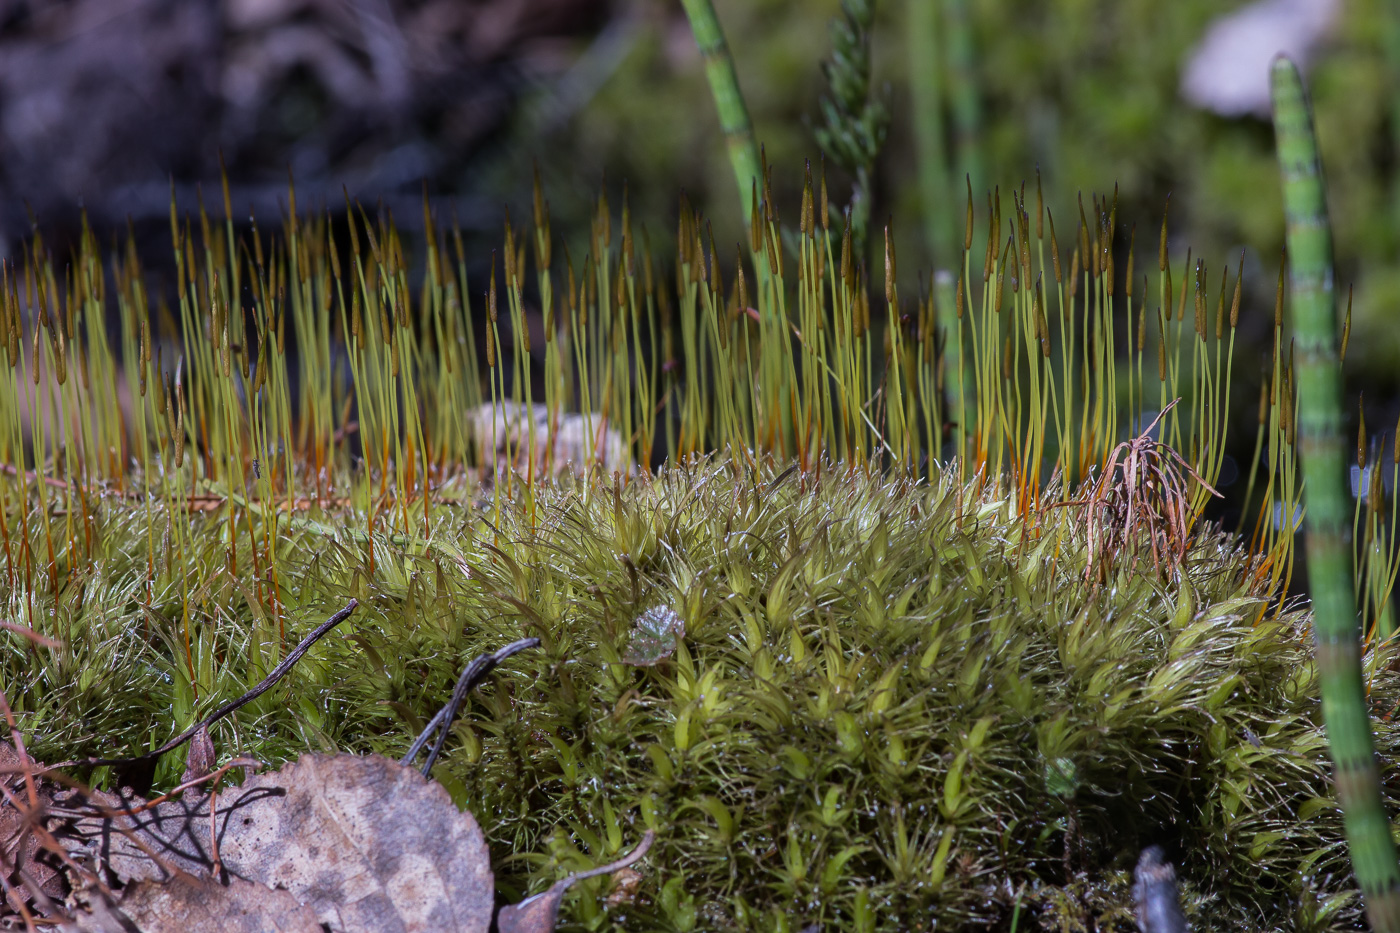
pixel 26 863
pixel 540 913
pixel 201 760
pixel 369 845
pixel 186 904
pixel 625 885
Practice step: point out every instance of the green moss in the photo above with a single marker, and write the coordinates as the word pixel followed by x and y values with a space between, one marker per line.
pixel 891 702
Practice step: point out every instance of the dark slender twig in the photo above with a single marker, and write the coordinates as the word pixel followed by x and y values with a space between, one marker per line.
pixel 630 858
pixel 267 684
pixel 474 673
pixel 108 813
pixel 542 911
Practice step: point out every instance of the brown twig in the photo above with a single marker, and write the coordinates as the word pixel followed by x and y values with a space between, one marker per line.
pixel 216 864
pixel 471 675
pixel 109 813
pixel 49 481
pixel 194 502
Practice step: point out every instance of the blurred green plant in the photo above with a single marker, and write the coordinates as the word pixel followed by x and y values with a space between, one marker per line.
pixel 1088 91
pixel 1330 566
pixel 854 122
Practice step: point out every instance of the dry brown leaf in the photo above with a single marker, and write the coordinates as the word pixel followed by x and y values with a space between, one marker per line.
pixel 201 759
pixel 338 843
pixel 369 845
pixel 20 847
pixel 1141 500
pixel 186 904
pixel 625 886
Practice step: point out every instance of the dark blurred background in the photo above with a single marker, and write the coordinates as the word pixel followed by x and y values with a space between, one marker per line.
pixel 104 102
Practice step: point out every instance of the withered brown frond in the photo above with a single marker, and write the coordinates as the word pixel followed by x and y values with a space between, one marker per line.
pixel 1140 501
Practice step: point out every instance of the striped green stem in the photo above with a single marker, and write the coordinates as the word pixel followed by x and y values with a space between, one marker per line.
pixel 925 65
pixel 967 107
pixel 729 100
pixel 1391 47
pixel 1324 463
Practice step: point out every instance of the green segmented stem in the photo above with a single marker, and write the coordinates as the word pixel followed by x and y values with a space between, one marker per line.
pixel 925 65
pixel 1391 48
pixel 1324 462
pixel 729 101
pixel 967 108
pixel 926 90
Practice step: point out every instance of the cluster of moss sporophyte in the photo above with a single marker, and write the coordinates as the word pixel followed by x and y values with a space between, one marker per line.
pixel 884 608
pixel 872 661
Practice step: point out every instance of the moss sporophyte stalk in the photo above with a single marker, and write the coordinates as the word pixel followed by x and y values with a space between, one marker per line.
pixel 862 651
pixel 845 679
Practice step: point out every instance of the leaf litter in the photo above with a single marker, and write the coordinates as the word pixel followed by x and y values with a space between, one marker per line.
pixel 343 843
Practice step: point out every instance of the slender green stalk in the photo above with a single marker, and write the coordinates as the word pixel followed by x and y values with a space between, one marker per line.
pixel 926 86
pixel 1324 465
pixel 926 90
pixel 967 108
pixel 1391 40
pixel 948 317
pixel 729 100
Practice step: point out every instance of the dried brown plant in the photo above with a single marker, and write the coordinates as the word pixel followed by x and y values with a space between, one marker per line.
pixel 1142 498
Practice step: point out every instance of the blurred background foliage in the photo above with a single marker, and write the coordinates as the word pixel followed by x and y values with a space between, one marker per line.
pixel 1087 90
pixel 102 102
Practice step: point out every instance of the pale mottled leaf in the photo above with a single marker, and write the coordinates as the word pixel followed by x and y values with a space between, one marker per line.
pixel 368 844
pixel 186 904
pixel 655 636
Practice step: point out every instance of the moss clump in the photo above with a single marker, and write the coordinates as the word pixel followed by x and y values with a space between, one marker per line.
pixel 853 699
pixel 895 705
pixel 897 701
